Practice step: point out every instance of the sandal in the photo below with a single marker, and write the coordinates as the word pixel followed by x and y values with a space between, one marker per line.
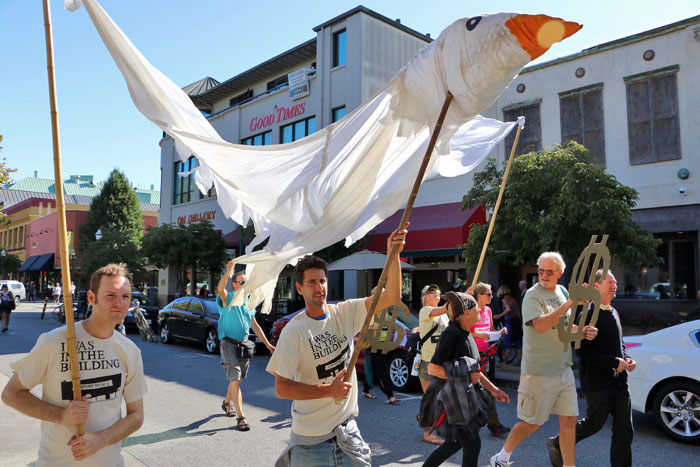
pixel 228 408
pixel 369 395
pixel 393 400
pixel 242 425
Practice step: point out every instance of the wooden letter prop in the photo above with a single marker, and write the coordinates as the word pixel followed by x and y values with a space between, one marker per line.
pixel 386 334
pixel 580 293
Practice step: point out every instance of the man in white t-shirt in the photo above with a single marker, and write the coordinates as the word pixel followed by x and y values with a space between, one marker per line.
pixel 111 373
pixel 310 362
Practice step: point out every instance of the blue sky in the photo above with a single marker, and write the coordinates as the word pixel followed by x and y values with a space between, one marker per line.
pixel 101 129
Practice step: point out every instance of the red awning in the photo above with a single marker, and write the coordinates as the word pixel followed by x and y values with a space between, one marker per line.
pixel 232 239
pixel 437 227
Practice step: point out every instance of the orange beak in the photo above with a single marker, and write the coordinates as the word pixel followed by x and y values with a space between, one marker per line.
pixel 537 33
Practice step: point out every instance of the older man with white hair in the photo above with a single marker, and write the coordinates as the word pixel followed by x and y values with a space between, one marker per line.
pixel 547 383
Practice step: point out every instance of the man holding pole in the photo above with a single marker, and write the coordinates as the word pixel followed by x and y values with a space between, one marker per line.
pixel 311 360
pixel 547 384
pixel 111 372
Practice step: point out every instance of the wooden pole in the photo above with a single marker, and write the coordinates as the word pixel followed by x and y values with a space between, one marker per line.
pixel 495 209
pixel 61 214
pixel 393 253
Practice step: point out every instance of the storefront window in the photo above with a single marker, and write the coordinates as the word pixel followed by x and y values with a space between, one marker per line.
pixel 675 278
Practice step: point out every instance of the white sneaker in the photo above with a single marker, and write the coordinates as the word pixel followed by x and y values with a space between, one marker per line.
pixel 496 463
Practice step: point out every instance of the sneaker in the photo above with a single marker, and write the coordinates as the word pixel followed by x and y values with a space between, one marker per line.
pixel 500 430
pixel 554 452
pixel 494 462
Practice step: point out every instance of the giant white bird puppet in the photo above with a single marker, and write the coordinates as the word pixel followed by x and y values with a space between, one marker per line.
pixel 344 179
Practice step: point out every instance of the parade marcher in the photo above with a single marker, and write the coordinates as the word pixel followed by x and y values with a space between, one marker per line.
pixel 457 342
pixel 514 325
pixel 203 291
pixel 313 353
pixel 57 293
pixel 380 369
pixel 235 323
pixel 604 367
pixel 547 384
pixel 432 321
pixel 111 373
pixel 7 304
pixel 480 332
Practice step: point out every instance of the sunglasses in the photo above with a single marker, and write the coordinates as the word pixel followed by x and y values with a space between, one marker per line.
pixel 548 272
pixel 240 282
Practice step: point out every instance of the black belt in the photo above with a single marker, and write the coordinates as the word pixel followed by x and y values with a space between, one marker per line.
pixel 233 341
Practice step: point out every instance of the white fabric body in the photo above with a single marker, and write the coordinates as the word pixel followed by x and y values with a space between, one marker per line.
pixel 111 373
pixel 313 352
pixel 344 179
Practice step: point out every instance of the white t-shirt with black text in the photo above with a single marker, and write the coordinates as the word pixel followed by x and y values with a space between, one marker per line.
pixel 314 351
pixel 111 373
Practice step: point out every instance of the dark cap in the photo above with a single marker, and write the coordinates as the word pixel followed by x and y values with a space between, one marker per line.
pixel 459 302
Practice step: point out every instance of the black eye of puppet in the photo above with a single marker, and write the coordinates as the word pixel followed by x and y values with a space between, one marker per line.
pixel 472 22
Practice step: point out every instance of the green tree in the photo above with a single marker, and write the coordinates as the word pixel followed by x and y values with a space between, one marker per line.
pixel 10 264
pixel 116 212
pixel 185 247
pixel 5 179
pixel 555 200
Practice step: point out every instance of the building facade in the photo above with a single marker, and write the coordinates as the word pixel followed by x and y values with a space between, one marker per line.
pixel 632 102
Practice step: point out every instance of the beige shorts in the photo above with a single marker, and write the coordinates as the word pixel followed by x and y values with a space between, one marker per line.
pixel 541 396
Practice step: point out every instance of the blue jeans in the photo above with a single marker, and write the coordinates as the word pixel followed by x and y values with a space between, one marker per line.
pixel 327 453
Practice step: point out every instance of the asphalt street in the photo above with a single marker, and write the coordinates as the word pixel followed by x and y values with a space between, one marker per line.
pixel 185 426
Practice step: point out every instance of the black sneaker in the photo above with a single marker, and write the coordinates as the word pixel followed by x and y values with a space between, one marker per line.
pixel 554 452
pixel 500 430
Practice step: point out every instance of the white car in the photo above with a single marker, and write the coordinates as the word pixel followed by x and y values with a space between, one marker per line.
pixel 667 378
pixel 17 289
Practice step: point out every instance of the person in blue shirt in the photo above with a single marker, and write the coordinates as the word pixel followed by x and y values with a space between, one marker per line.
pixel 234 325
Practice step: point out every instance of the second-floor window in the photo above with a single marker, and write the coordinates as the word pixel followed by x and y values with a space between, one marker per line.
pixel 337 113
pixel 297 130
pixel 531 136
pixel 339 48
pixel 652 116
pixel 262 139
pixel 184 184
pixel 581 114
pixel 278 83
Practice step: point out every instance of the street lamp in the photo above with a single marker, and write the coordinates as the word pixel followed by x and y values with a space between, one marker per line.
pixel 3 253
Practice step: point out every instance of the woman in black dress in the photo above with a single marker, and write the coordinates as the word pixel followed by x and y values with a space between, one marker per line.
pixel 456 342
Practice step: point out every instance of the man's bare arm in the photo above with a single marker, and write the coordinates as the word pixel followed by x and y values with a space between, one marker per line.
pixel 294 390
pixel 18 397
pixel 437 371
pixel 221 288
pixel 392 292
pixel 261 335
pixel 547 321
pixel 89 443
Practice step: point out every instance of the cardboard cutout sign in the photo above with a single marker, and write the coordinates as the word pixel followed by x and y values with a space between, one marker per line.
pixel 386 335
pixel 581 290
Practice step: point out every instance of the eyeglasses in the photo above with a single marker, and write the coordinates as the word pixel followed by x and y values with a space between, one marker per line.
pixel 240 282
pixel 489 294
pixel 548 272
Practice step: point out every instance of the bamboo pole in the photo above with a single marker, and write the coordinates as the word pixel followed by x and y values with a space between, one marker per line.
pixel 61 214
pixel 495 209
pixel 393 253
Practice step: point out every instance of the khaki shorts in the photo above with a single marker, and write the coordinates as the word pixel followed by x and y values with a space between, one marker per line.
pixel 541 396
pixel 236 368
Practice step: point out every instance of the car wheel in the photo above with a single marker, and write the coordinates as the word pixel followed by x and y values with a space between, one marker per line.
pixel 17 300
pixel 677 410
pixel 398 370
pixel 212 341
pixel 165 336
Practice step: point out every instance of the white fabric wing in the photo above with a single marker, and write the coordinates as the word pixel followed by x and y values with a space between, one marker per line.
pixel 346 178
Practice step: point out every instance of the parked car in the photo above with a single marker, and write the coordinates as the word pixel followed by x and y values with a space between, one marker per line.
pixel 399 372
pixel 151 312
pixel 17 289
pixel 190 318
pixel 666 381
